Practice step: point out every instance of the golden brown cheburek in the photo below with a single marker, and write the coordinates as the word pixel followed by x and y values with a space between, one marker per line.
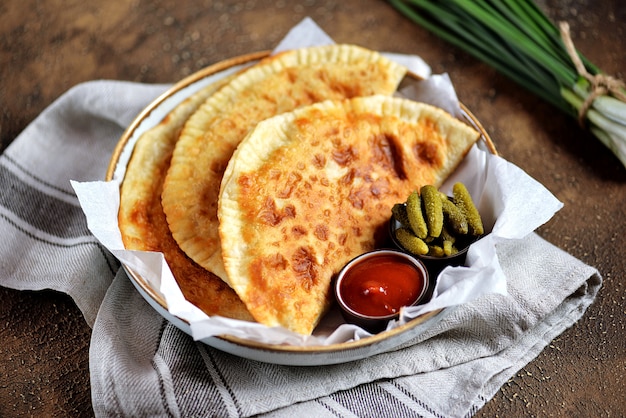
pixel 308 190
pixel 142 221
pixel 277 84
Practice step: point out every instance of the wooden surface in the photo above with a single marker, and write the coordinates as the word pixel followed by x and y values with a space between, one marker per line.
pixel 49 46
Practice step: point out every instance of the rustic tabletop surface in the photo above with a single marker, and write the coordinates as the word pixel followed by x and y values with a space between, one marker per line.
pixel 46 47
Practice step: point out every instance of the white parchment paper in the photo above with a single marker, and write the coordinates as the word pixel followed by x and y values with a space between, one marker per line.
pixel 511 203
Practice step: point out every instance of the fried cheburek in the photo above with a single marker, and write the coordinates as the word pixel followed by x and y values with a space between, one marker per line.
pixel 308 190
pixel 142 221
pixel 275 85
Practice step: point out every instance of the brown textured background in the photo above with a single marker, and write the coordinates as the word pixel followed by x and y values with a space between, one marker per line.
pixel 46 47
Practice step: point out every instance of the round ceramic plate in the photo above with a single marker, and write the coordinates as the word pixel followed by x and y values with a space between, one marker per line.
pixel 278 354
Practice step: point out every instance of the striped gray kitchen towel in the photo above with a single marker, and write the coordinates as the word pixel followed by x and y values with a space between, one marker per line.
pixel 141 365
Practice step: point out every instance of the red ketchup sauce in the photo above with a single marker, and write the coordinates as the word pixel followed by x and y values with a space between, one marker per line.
pixel 380 286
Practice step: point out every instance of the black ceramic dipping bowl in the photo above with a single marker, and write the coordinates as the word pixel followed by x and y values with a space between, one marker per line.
pixel 372 287
pixel 435 264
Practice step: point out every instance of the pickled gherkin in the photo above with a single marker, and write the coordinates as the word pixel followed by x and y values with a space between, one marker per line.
pixel 432 209
pixel 456 220
pixel 435 251
pixel 399 213
pixel 415 215
pixel 463 200
pixel 448 248
pixel 446 235
pixel 412 243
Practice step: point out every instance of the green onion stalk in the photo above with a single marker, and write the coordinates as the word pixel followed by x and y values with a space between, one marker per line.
pixel 517 39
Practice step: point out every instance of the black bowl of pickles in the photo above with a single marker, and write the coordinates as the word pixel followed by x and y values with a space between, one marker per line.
pixel 436 228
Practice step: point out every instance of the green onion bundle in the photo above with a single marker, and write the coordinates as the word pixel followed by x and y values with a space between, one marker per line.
pixel 516 38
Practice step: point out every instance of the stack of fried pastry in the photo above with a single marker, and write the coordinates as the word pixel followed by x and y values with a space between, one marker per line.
pixel 260 187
